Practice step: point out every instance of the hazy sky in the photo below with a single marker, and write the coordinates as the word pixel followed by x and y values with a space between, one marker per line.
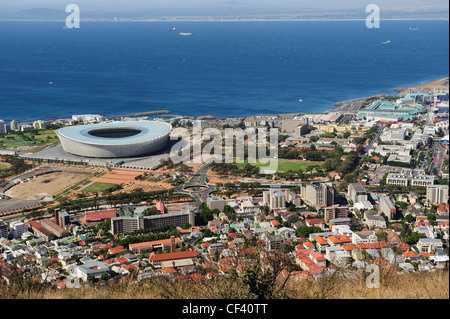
pixel 141 4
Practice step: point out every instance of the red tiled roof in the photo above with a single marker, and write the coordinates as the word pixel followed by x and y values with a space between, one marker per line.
pixel 308 244
pixel 321 241
pixel 169 270
pixel 409 254
pixel 339 239
pixel 175 255
pixel 349 247
pixel 314 221
pixel 116 250
pixel 40 228
pixel 122 260
pixel 275 222
pixel 96 216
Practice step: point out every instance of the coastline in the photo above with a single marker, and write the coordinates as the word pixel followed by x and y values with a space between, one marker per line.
pixel 339 106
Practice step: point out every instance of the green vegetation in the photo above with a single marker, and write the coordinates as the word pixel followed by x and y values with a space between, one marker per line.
pixel 284 165
pixel 16 166
pixel 31 138
pixel 98 187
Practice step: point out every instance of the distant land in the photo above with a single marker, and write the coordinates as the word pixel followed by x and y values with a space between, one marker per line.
pixel 204 14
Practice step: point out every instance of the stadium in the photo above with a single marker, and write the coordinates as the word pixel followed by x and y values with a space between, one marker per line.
pixel 115 139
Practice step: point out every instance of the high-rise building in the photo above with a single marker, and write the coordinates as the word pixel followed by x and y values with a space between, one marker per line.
pixel 3 229
pixel 319 194
pixel 356 192
pixel 3 128
pixel 40 125
pixel 274 198
pixel 126 224
pixel 334 212
pixel 437 194
pixel 386 206
pixel 14 126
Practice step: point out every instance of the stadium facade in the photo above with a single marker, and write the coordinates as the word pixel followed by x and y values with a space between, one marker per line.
pixel 115 139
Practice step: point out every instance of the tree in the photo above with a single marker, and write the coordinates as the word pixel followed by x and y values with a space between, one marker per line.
pixel 304 231
pixel 409 218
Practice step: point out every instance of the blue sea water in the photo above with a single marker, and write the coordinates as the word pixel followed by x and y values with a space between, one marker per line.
pixel 224 69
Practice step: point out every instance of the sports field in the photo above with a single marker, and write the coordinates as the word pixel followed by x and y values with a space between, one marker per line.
pixel 285 165
pixel 98 187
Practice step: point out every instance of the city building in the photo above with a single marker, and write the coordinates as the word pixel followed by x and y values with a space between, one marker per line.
pixel 145 247
pixel 92 268
pixel 215 202
pixel 386 206
pixel 274 198
pixel 125 224
pixel 3 127
pixel 319 194
pixel 334 212
pixel 410 177
pixel 17 228
pixel 99 216
pixel 429 245
pixel 356 192
pixel 437 194
pixel 15 126
pixel 3 229
pixel 373 219
pixel 40 125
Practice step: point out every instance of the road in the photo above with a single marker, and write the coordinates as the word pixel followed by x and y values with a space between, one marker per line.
pixel 438 157
pixel 198 180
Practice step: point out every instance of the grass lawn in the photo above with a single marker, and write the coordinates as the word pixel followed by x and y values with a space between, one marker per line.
pixel 14 140
pixel 4 166
pixel 284 165
pixel 98 187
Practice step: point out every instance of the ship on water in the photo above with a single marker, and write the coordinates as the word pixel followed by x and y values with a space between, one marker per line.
pixel 386 42
pixel 413 29
pixel 185 33
pixel 172 29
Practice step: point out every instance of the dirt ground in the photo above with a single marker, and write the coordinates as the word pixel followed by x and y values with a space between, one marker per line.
pixel 48 184
pixel 126 177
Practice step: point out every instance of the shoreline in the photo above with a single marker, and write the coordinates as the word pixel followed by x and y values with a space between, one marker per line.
pixel 339 106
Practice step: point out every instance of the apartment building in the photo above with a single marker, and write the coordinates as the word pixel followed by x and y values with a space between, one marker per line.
pixel 274 198
pixel 386 206
pixel 127 224
pixel 356 192
pixel 437 194
pixel 319 194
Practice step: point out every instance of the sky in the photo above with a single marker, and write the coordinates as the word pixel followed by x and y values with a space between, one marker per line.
pixel 16 8
pixel 142 4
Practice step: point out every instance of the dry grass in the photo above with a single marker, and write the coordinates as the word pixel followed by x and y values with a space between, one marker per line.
pixel 431 285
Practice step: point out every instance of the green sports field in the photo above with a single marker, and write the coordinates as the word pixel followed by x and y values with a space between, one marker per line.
pixel 285 165
pixel 98 187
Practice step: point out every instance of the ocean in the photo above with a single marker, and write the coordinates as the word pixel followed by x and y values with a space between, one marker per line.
pixel 225 69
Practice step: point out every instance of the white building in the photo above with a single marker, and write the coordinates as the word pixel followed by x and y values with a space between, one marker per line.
pixel 91 268
pixel 274 198
pixel 437 194
pixel 17 228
